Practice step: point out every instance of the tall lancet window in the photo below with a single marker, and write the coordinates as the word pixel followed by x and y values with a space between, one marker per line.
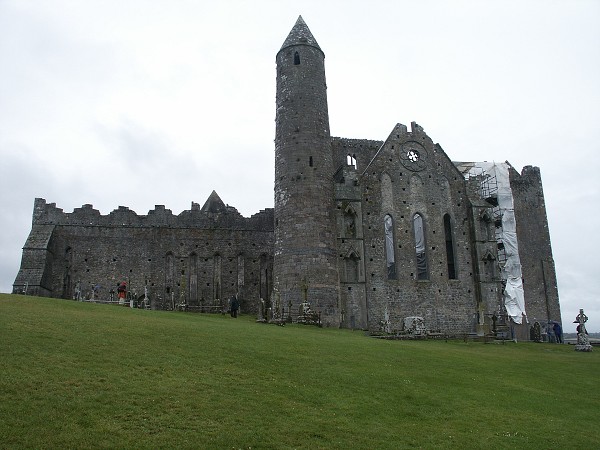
pixel 449 247
pixel 419 228
pixel 390 259
pixel 296 58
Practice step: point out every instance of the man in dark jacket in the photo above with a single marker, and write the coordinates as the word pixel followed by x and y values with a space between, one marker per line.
pixel 234 305
pixel 558 332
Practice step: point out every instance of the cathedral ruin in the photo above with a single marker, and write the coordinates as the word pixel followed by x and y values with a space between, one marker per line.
pixel 372 235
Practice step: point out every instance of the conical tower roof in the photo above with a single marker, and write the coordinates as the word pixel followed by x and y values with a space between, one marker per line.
pixel 300 35
pixel 214 204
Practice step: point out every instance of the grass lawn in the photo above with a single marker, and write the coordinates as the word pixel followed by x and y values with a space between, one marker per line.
pixel 78 375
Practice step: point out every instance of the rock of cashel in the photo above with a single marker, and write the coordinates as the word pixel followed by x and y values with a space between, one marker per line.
pixel 389 236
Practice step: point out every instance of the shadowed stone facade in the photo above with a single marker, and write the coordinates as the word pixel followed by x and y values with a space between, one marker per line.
pixel 370 234
pixel 199 258
pixel 305 263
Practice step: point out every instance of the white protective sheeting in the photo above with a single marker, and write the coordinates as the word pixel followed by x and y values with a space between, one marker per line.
pixel 514 298
pixel 419 234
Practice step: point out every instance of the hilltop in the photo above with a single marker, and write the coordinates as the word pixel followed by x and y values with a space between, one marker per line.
pixel 84 375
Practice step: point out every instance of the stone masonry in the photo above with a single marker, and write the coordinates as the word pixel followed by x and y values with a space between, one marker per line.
pixel 368 234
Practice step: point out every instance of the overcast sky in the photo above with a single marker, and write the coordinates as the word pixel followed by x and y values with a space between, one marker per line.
pixel 143 103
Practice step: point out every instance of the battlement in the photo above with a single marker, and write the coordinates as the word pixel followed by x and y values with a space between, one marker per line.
pixel 226 217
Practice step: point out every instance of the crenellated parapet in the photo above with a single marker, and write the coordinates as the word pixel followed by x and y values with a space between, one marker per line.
pixel 222 217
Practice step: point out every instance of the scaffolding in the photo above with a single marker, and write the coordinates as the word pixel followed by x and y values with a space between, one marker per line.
pixel 488 189
pixel 487 183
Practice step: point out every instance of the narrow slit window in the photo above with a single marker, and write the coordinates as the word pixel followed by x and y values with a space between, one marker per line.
pixel 310 161
pixel 296 58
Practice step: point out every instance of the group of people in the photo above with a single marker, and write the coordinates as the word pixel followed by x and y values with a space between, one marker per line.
pixel 553 332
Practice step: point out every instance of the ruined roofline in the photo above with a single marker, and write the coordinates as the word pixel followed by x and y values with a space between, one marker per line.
pixel 398 129
pixel 471 168
pixel 354 142
pixel 463 168
pixel 227 218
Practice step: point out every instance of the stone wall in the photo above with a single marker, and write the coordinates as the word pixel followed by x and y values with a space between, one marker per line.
pixel 350 247
pixel 432 187
pixel 198 258
pixel 535 251
pixel 212 215
pixel 362 150
pixel 34 277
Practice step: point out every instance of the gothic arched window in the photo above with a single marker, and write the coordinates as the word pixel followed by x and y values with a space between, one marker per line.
pixel 351 160
pixel 352 268
pixel 390 259
pixel 489 267
pixel 420 247
pixel 451 260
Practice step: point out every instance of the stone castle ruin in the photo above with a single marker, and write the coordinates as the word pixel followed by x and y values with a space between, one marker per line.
pixel 368 234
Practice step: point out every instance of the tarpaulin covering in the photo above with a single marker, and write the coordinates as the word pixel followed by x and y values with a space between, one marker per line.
pixel 420 247
pixel 419 234
pixel 514 299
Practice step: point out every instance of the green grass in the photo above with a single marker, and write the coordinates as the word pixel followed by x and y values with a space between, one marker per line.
pixel 75 375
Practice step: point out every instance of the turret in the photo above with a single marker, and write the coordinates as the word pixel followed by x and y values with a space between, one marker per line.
pixel 305 265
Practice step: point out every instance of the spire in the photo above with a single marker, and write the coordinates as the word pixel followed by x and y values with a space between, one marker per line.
pixel 214 204
pixel 300 35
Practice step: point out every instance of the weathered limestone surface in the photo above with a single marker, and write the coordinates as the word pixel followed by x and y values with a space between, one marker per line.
pixel 305 263
pixel 200 257
pixel 365 234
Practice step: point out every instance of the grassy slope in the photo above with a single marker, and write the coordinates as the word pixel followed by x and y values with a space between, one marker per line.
pixel 83 375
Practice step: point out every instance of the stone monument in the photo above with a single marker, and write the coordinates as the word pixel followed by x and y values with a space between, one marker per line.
pixel 583 341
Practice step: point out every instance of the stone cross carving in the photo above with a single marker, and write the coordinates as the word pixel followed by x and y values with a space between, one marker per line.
pixel 583 341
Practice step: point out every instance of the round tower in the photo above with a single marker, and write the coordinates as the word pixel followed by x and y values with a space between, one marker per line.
pixel 305 265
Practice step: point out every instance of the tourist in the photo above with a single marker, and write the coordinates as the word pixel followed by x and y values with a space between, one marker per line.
pixel 122 292
pixel 234 305
pixel 557 332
